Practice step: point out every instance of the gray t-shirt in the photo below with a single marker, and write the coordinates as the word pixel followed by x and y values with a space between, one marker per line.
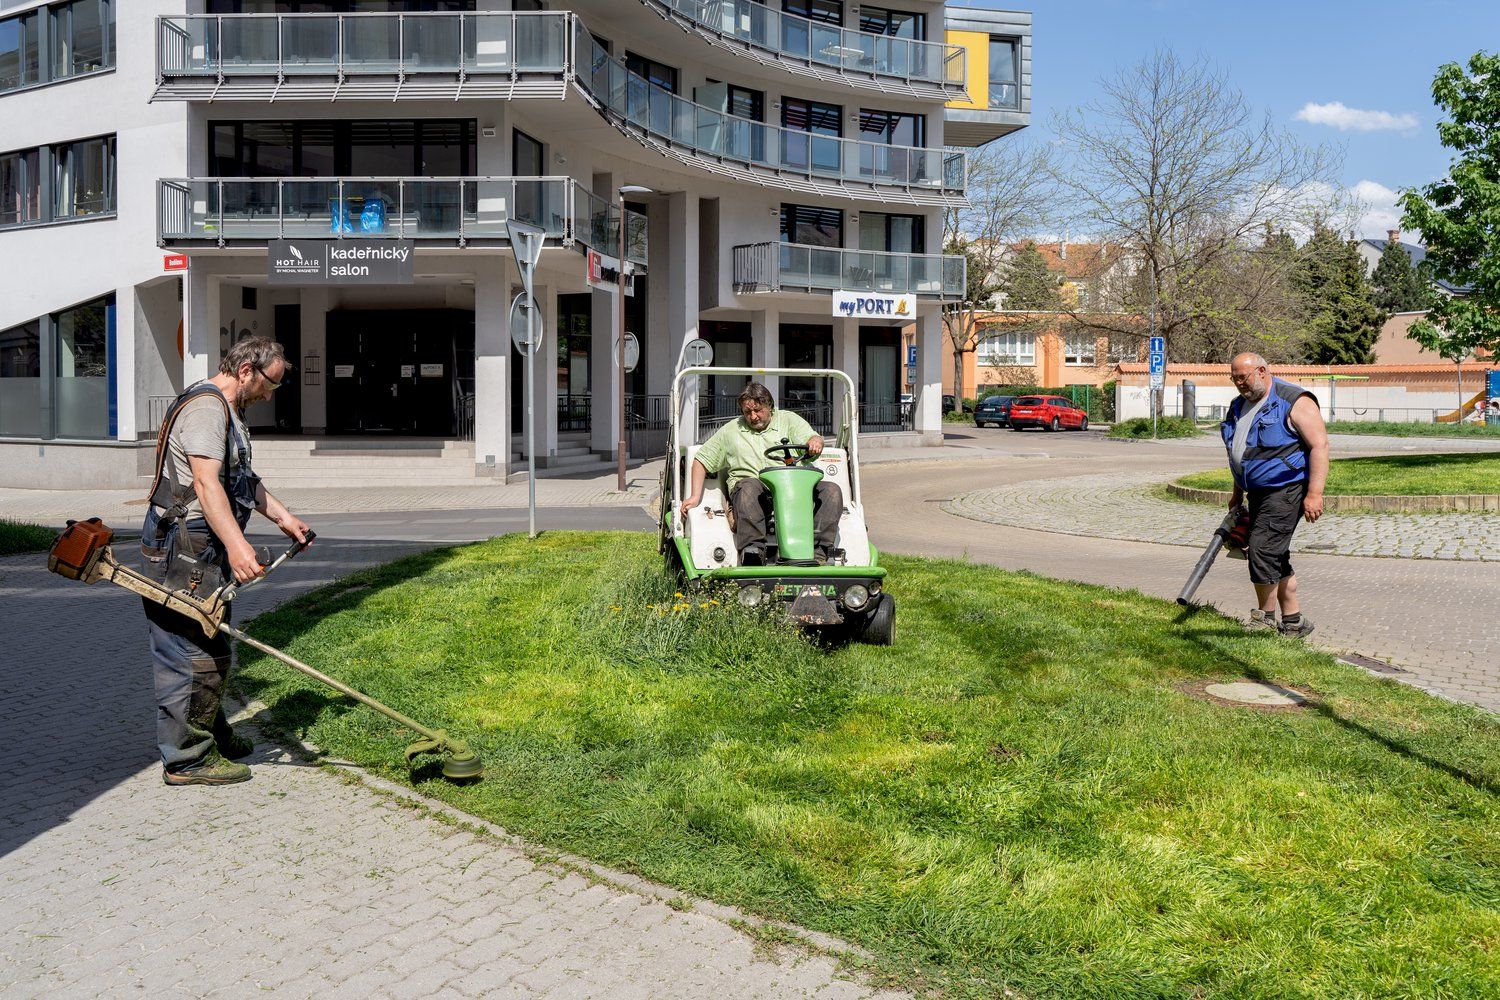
pixel 1242 434
pixel 200 431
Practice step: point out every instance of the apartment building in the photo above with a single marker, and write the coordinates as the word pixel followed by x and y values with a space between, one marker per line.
pixel 779 171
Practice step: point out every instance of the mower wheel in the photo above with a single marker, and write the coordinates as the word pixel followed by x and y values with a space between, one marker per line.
pixel 879 627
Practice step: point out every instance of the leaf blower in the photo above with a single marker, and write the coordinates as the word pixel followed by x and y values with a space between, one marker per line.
pixel 82 552
pixel 1232 535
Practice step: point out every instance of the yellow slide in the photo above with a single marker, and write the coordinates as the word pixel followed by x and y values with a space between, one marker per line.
pixel 1458 416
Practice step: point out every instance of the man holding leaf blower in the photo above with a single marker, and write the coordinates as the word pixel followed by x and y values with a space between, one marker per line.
pixel 1278 454
pixel 194 540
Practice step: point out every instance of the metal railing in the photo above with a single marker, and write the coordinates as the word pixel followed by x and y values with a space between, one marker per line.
pixel 574 412
pixel 707 132
pixel 223 45
pixel 761 267
pixel 822 44
pixel 647 421
pixel 416 208
pixel 884 417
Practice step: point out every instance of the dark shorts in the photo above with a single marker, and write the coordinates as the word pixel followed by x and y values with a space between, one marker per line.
pixel 1274 514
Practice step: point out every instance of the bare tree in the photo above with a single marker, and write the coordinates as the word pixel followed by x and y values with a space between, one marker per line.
pixel 1011 193
pixel 1172 165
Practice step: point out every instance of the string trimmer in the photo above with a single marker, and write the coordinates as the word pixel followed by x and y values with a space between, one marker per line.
pixel 82 552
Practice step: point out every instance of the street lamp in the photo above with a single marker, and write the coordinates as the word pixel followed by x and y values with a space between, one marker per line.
pixel 620 346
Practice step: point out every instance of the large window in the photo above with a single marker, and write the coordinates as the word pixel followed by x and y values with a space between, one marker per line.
pixel 1005 73
pixel 892 233
pixel 1009 348
pixel 55 378
pixel 21 381
pixel 895 23
pixel 892 128
pixel 661 74
pixel 1079 349
pixel 378 148
pixel 819 149
pixel 20 187
pixel 810 226
pixel 57 42
pixel 72 180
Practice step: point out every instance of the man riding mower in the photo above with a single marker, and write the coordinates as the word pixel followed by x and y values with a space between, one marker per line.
pixel 766 507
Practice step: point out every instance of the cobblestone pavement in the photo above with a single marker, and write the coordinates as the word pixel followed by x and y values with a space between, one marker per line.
pixel 1120 505
pixel 298 884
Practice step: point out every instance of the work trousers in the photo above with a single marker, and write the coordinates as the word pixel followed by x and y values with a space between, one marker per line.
pixel 752 509
pixel 1274 514
pixel 189 670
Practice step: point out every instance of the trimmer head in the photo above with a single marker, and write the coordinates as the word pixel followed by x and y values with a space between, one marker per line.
pixel 460 763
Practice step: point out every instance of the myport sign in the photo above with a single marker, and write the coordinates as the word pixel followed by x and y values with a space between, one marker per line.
pixel 339 262
pixel 873 305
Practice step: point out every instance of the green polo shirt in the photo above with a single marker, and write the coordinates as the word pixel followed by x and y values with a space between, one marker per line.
pixel 742 451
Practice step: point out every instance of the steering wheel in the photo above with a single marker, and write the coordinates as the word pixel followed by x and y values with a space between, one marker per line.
pixel 786 453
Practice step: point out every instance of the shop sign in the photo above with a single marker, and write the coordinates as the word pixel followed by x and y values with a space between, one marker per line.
pixel 432 371
pixel 603 273
pixel 340 262
pixel 873 305
pixel 174 262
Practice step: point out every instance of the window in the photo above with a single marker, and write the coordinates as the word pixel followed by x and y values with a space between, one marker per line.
pixel 894 23
pixel 20 187
pixel 812 116
pixel 662 75
pixel 83 178
pixel 892 128
pixel 81 336
pixel 20 60
pixel 438 147
pixel 20 381
pixel 1079 349
pixel 820 150
pixel 57 42
pixel 905 234
pixel 1005 89
pixel 810 226
pixel 1010 348
pixel 747 103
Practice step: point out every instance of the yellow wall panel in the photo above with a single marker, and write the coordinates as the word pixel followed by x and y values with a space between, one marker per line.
pixel 977 44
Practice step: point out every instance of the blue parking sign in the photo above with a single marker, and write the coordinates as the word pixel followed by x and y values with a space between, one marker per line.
pixel 1158 363
pixel 1158 345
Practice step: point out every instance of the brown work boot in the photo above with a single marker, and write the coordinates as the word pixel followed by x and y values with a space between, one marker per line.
pixel 212 770
pixel 1261 621
pixel 229 744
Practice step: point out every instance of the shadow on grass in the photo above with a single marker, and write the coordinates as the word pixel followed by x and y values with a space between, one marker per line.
pixel 1316 704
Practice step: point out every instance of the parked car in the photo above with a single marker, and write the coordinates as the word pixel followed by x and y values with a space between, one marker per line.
pixel 1052 413
pixel 948 403
pixel 993 410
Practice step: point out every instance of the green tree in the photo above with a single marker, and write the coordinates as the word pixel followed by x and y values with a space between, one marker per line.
pixel 1343 321
pixel 1027 281
pixel 1399 287
pixel 1459 216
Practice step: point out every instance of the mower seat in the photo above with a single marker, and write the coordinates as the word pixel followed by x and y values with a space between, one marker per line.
pixel 707 525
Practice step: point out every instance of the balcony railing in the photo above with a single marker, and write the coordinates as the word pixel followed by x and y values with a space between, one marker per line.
pixel 836 48
pixel 225 45
pixel 713 134
pixel 767 267
pixel 455 209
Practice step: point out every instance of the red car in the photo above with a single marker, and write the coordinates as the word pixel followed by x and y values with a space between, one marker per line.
pixel 1050 412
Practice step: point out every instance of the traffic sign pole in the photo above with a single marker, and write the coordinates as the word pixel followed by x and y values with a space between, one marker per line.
pixel 526 242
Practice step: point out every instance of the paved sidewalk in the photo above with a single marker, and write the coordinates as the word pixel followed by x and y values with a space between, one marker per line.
pixel 296 884
pixel 1120 505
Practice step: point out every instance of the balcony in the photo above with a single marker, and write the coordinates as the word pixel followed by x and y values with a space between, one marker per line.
pixel 763 154
pixel 423 56
pixel 827 52
pixel 774 267
pixel 441 211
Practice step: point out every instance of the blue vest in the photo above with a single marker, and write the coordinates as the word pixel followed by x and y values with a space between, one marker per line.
pixel 1274 454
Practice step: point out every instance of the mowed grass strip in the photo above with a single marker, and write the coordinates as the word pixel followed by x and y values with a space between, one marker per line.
pixel 1390 475
pixel 1018 796
pixel 17 537
pixel 1389 428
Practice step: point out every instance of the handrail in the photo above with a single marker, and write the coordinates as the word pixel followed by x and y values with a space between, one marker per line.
pixel 774 266
pixel 816 42
pixel 717 134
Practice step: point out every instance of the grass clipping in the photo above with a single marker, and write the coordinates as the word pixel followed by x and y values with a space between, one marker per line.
pixel 1016 799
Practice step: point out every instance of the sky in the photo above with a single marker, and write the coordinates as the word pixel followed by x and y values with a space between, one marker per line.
pixel 1357 73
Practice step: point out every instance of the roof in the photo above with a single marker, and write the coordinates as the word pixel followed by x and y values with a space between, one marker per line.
pixel 1418 253
pixel 1082 260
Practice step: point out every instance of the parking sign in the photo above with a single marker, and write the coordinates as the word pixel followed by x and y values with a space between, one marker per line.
pixel 1158 345
pixel 1158 363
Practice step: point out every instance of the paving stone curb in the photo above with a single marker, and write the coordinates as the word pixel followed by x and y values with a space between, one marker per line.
pixel 1341 503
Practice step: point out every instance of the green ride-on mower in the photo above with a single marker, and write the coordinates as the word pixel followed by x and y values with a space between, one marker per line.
pixel 842 599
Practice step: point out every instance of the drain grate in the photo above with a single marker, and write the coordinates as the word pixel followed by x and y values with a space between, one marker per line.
pixel 1372 664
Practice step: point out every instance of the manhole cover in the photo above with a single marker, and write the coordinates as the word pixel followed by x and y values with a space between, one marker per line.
pixel 1372 664
pixel 1255 693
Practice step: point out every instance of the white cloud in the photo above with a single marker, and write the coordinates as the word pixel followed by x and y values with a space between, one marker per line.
pixel 1347 119
pixel 1378 210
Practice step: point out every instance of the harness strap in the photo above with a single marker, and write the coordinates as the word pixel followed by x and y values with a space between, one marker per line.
pixel 176 507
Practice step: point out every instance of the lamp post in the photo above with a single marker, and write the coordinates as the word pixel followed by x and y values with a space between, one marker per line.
pixel 620 333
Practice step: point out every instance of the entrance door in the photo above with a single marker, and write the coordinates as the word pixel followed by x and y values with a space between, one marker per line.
pixel 396 371
pixel 880 378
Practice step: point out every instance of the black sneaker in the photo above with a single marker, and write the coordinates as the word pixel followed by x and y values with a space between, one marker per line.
pixel 212 770
pixel 1299 629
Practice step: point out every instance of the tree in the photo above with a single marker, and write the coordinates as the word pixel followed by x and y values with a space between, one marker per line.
pixel 1459 216
pixel 1399 287
pixel 1172 165
pixel 1011 195
pixel 1028 282
pixel 1342 319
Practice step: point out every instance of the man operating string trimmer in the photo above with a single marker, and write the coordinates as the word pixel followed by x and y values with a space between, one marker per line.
pixel 194 540
pixel 1278 453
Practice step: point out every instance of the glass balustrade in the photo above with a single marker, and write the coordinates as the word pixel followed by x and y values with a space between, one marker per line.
pixel 835 47
pixel 308 44
pixel 838 269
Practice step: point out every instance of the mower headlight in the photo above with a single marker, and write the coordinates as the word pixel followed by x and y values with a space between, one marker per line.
pixel 749 597
pixel 856 597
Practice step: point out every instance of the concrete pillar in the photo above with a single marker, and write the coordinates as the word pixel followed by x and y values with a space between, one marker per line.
pixel 604 374
pixel 927 401
pixel 682 294
pixel 200 334
pixel 129 327
pixel 846 359
pixel 667 260
pixel 492 359
pixel 765 344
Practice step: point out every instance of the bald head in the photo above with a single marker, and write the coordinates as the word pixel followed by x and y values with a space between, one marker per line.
pixel 1250 375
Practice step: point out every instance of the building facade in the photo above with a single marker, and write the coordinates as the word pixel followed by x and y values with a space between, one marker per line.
pixel 160 161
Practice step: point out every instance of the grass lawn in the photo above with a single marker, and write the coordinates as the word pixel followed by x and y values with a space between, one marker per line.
pixel 17 537
pixel 1017 799
pixel 1414 430
pixel 1390 475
